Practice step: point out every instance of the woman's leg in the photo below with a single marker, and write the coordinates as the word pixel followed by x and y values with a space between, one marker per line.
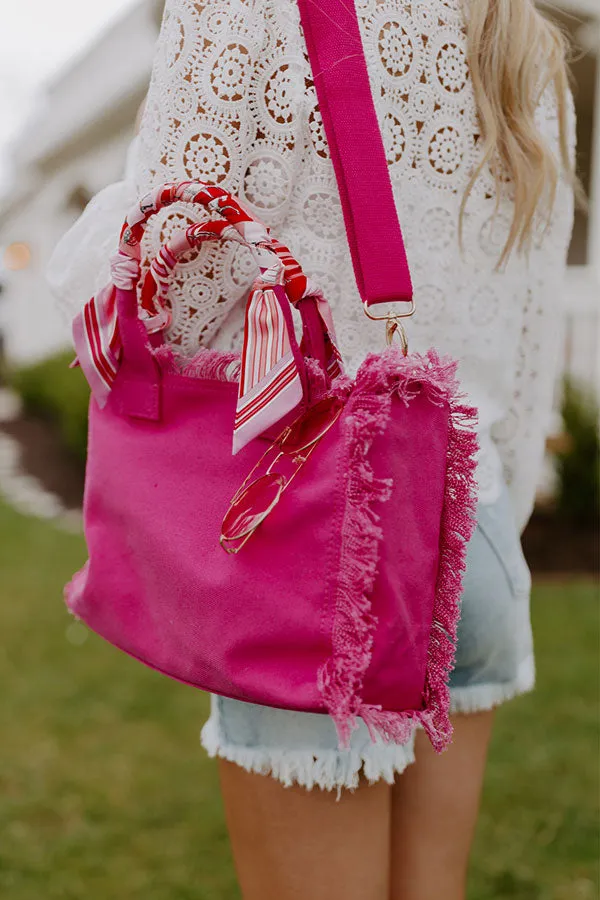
pixel 436 801
pixel 294 844
pixel 434 812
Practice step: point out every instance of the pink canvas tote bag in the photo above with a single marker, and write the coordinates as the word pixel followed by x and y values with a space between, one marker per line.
pixel 345 599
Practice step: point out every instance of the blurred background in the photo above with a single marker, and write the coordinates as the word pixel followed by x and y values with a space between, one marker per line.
pixel 104 789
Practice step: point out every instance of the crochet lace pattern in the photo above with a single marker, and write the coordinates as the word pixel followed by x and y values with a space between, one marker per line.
pixel 232 101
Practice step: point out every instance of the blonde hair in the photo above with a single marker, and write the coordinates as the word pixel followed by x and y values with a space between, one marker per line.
pixel 515 54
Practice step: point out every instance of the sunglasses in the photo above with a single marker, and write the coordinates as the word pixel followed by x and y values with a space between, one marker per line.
pixel 275 471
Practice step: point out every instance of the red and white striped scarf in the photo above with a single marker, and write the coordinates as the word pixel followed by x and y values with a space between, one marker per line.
pixel 270 382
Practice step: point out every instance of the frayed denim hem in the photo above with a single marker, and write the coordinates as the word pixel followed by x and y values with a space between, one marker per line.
pixel 328 770
pixel 483 697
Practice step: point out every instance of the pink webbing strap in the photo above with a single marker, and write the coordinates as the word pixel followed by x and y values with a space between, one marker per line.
pixel 337 57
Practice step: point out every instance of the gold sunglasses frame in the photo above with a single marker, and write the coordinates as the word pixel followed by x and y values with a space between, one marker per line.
pixel 300 457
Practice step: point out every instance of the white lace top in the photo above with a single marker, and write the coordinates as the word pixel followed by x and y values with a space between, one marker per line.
pixel 232 101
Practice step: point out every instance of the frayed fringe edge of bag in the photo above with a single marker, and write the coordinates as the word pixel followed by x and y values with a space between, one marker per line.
pixel 218 365
pixel 341 678
pixel 329 770
pixel 215 365
pixel 458 524
pixel 483 697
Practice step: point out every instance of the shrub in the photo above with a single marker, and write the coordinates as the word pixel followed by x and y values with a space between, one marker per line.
pixel 51 390
pixel 578 461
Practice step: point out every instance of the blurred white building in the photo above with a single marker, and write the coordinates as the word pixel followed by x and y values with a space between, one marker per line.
pixel 71 147
pixel 582 295
pixel 76 144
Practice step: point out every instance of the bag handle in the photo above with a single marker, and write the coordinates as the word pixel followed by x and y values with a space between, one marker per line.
pixel 277 266
pixel 341 78
pixel 273 375
pixel 109 323
pixel 198 193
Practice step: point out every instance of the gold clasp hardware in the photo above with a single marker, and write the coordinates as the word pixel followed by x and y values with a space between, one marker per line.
pixel 386 316
pixel 394 325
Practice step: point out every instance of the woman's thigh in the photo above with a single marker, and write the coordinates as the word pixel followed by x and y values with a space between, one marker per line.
pixel 436 801
pixel 294 844
pixel 435 806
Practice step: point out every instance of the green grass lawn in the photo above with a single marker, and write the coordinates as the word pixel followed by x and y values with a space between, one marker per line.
pixel 105 793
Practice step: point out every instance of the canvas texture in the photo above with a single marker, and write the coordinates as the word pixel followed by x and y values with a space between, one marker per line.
pixel 346 600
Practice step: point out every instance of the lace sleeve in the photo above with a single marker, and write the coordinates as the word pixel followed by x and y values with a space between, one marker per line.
pixel 521 435
pixel 222 107
pixel 79 265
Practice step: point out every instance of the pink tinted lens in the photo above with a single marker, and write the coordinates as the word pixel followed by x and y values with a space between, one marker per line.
pixel 252 506
pixel 312 426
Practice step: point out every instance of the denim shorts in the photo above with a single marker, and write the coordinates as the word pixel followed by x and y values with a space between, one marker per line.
pixel 494 663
